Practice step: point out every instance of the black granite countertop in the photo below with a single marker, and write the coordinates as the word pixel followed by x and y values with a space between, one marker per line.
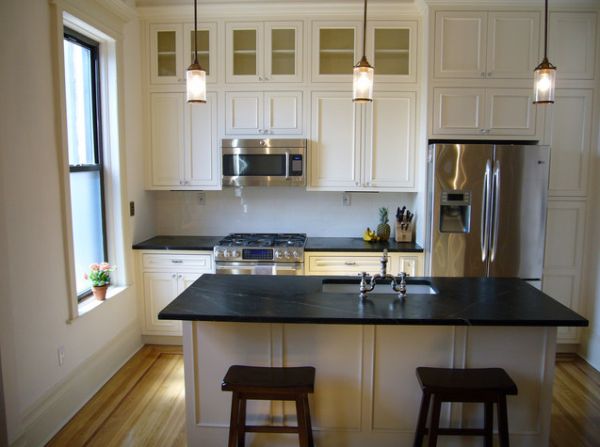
pixel 300 299
pixel 357 244
pixel 338 244
pixel 178 243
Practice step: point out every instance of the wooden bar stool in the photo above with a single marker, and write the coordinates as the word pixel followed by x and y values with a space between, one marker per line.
pixel 488 386
pixel 262 383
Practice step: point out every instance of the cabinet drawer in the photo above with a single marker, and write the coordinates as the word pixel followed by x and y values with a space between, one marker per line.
pixel 345 265
pixel 177 262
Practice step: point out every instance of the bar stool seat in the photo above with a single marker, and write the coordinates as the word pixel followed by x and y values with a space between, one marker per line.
pixel 265 383
pixel 486 385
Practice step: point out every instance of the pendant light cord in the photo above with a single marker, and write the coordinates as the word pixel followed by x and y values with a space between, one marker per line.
pixel 546 32
pixel 365 28
pixel 195 31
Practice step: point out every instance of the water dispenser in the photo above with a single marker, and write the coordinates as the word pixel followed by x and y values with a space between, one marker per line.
pixel 455 212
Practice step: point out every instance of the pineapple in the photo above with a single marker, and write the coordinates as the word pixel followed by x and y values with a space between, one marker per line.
pixel 383 229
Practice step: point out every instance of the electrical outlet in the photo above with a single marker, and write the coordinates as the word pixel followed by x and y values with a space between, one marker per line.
pixel 132 208
pixel 61 355
pixel 201 198
pixel 346 199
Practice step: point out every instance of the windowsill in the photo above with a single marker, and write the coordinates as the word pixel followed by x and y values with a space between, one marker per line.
pixel 88 304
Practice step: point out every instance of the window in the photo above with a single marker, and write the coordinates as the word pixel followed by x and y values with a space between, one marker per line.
pixel 82 91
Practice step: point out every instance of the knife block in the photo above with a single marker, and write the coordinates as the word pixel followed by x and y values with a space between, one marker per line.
pixel 404 233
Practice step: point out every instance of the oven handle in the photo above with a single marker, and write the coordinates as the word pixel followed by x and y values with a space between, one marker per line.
pixel 287 165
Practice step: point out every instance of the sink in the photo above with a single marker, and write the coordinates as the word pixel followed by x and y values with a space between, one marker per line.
pixel 352 286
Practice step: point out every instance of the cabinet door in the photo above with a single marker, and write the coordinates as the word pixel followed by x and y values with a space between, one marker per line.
pixel 509 111
pixel 185 280
pixel 458 111
pixel 206 42
pixel 460 43
pixel 167 145
pixel 409 265
pixel 244 113
pixel 572 42
pixel 165 54
pixel 245 45
pixel 347 265
pixel 283 112
pixel 334 147
pixel 335 50
pixel 512 44
pixel 283 52
pixel 159 290
pixel 570 142
pixel 389 155
pixel 202 152
pixel 393 50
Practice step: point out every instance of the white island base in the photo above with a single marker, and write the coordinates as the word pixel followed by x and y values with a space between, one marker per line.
pixel 366 391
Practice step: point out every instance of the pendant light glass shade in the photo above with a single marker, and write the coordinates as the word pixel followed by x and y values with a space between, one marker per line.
pixel 363 73
pixel 195 77
pixel 362 81
pixel 544 79
pixel 544 75
pixel 196 83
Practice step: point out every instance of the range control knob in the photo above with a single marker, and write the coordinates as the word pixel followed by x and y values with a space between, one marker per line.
pixel 226 253
pixel 278 254
pixel 219 253
pixel 235 253
pixel 295 254
pixel 287 254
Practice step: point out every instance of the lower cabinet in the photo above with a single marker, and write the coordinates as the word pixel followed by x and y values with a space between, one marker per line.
pixel 164 277
pixel 353 263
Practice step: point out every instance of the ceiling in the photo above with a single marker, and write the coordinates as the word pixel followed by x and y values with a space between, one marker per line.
pixel 188 2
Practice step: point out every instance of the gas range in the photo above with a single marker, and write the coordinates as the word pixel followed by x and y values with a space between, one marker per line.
pixel 261 247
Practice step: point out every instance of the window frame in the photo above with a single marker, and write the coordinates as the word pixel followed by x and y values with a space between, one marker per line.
pixel 98 154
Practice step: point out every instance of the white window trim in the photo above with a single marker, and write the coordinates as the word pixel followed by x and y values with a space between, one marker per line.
pixel 114 157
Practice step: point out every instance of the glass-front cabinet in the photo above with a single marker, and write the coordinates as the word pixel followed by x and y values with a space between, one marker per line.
pixel 264 52
pixel 172 51
pixel 392 50
pixel 335 50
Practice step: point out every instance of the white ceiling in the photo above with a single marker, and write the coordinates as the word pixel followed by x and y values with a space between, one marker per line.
pixel 191 2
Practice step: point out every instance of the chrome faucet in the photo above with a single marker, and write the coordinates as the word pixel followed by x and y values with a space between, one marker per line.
pixel 368 283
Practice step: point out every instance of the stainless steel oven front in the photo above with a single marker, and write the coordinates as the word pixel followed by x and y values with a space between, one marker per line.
pixel 263 162
pixel 259 268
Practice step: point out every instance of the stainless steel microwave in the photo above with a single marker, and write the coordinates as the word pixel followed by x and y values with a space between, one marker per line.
pixel 263 162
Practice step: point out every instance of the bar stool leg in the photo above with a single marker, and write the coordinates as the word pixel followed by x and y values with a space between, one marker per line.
pixel 503 421
pixel 489 424
pixel 241 424
pixel 301 416
pixel 233 422
pixel 435 420
pixel 422 421
pixel 308 423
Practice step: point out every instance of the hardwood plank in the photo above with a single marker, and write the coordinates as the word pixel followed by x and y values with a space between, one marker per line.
pixel 143 405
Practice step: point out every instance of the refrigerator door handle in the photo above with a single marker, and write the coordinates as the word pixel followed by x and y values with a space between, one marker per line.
pixel 485 211
pixel 496 211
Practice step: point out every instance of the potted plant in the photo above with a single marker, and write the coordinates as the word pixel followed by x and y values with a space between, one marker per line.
pixel 99 275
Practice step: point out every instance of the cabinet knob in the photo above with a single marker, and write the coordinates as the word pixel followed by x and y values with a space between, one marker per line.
pixel 173 276
pixel 489 74
pixel 483 74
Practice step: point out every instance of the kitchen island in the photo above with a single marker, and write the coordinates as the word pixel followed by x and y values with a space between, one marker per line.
pixel 366 352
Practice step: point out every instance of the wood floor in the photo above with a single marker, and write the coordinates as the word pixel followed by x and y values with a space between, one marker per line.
pixel 143 405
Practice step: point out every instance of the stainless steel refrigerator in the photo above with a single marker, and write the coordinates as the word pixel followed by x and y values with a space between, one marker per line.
pixel 486 209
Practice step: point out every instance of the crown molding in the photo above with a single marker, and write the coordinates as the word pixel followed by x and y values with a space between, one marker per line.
pixel 120 9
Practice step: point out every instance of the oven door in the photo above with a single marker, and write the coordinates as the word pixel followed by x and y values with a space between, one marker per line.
pixel 258 268
pixel 264 166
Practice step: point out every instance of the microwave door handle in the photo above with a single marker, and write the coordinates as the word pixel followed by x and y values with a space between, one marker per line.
pixel 495 228
pixel 287 165
pixel 485 207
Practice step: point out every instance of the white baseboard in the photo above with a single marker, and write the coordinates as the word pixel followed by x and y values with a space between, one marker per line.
pixel 162 340
pixel 65 399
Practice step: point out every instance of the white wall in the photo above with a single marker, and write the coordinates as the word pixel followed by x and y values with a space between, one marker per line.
pixel 274 210
pixel 39 394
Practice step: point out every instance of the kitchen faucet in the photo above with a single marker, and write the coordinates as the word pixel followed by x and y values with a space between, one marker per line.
pixel 366 287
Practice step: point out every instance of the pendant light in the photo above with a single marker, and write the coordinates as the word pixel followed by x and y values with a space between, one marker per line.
pixel 544 75
pixel 196 75
pixel 362 78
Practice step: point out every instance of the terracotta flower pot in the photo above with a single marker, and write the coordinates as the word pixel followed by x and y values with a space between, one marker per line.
pixel 99 292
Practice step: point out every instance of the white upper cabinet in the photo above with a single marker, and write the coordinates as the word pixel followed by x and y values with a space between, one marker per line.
pixel 363 147
pixel 392 49
pixel 486 44
pixel 263 113
pixel 335 50
pixel 183 147
pixel 572 44
pixel 485 112
pixel 264 52
pixel 570 142
pixel 171 51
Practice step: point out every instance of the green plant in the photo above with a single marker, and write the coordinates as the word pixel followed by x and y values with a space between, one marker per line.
pixel 99 274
